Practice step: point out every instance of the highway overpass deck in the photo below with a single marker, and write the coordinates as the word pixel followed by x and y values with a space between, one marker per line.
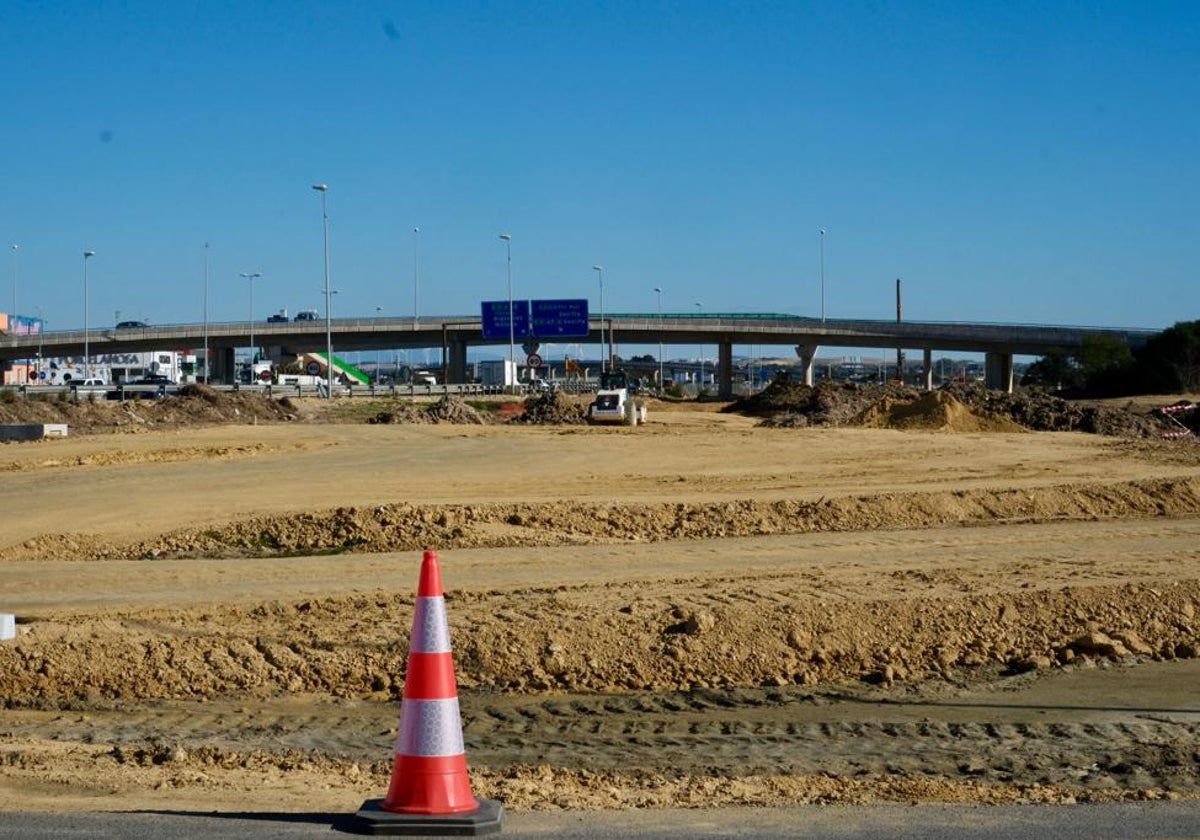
pixel 455 334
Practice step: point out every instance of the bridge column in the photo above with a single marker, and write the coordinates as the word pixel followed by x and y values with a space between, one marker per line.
pixel 807 352
pixel 725 369
pixel 998 371
pixel 928 369
pixel 456 370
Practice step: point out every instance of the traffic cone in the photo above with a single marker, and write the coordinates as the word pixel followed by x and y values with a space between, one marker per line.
pixel 430 792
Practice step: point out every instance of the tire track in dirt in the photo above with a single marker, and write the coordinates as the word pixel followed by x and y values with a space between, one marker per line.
pixel 732 733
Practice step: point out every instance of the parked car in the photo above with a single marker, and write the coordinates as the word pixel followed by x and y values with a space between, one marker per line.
pixel 153 379
pixel 131 325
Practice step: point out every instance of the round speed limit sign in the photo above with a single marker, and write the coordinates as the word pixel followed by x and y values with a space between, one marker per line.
pixel 533 360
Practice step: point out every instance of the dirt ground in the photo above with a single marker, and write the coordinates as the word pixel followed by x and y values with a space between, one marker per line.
pixel 839 597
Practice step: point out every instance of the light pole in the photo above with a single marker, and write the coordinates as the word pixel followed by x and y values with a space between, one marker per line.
pixel 323 189
pixel 416 275
pixel 700 309
pixel 822 274
pixel 512 365
pixel 599 269
pixel 87 359
pixel 661 384
pixel 14 272
pixel 41 337
pixel 250 277
pixel 378 313
pixel 207 377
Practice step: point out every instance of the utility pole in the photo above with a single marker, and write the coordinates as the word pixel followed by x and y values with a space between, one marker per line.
pixel 899 350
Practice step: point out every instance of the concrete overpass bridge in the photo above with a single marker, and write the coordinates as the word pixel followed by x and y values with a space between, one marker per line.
pixel 456 334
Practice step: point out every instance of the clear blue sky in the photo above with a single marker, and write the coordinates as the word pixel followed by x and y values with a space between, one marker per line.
pixel 1009 161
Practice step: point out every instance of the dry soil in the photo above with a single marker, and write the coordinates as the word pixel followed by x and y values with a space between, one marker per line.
pixel 214 599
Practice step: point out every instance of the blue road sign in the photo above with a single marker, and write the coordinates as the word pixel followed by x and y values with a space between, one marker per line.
pixel 560 318
pixel 495 320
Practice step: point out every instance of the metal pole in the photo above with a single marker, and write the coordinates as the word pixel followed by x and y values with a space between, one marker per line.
pixel 87 358
pixel 378 351
pixel 322 189
pixel 207 369
pixel 700 385
pixel 416 298
pixel 599 269
pixel 822 274
pixel 661 383
pixel 14 273
pixel 511 327
pixel 41 339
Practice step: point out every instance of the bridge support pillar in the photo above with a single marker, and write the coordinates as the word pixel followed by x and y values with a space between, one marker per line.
pixel 928 369
pixel 725 369
pixel 807 352
pixel 456 367
pixel 998 371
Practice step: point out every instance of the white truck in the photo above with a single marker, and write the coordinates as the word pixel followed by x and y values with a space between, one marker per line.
pixel 613 402
pixel 496 372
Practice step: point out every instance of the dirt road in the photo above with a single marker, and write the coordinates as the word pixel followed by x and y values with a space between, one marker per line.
pixel 700 611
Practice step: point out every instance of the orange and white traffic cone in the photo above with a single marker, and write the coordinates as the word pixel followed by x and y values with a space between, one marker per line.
pixel 430 792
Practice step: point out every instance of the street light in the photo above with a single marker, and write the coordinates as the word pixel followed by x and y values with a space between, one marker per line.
pixel 207 369
pixel 599 269
pixel 323 189
pixel 416 276
pixel 250 277
pixel 512 364
pixel 41 337
pixel 87 359
pixel 700 309
pixel 661 384
pixel 378 313
pixel 822 274
pixel 14 273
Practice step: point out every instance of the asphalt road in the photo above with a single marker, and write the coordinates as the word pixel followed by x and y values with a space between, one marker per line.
pixel 1131 821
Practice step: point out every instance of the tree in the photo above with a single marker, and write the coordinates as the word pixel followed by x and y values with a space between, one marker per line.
pixel 1170 361
pixel 1106 364
pixel 1054 370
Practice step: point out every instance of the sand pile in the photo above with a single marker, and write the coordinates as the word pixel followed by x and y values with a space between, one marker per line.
pixel 931 411
pixel 788 404
pixel 193 405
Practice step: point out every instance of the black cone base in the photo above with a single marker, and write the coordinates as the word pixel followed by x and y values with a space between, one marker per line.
pixel 372 819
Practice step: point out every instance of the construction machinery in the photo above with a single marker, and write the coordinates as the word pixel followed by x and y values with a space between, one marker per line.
pixel 613 402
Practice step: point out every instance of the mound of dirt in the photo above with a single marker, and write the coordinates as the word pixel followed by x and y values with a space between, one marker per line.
pixel 791 404
pixel 794 404
pixel 453 410
pixel 934 411
pixel 193 405
pixel 446 410
pixel 551 409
